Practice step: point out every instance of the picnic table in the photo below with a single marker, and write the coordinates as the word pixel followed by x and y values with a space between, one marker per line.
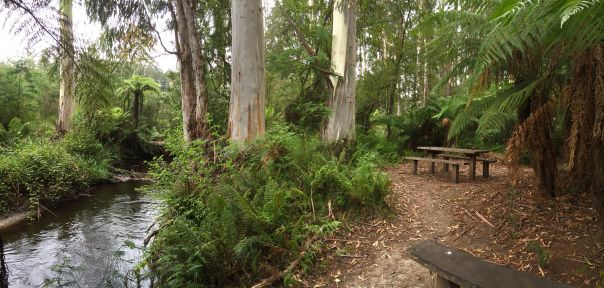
pixel 472 154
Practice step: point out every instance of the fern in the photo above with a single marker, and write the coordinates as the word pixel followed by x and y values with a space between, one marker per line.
pixel 258 210
pixel 573 7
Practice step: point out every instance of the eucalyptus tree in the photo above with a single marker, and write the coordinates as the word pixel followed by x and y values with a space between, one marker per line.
pixel 135 18
pixel 67 68
pixel 193 84
pixel 248 90
pixel 340 123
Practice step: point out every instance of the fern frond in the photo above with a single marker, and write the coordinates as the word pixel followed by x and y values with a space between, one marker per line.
pixel 573 7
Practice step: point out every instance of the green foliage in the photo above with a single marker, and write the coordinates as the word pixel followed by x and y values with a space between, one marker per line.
pixel 416 127
pixel 542 254
pixel 44 172
pixel 27 91
pixel 254 207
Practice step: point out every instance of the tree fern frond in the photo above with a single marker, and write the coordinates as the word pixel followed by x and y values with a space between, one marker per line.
pixel 573 7
pixel 517 95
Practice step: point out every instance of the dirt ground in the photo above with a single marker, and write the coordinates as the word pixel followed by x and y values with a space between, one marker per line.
pixel 556 239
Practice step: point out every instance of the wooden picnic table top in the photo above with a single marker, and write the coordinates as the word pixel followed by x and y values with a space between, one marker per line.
pixel 455 150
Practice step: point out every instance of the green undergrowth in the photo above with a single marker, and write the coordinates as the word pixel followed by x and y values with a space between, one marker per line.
pixel 242 214
pixel 38 172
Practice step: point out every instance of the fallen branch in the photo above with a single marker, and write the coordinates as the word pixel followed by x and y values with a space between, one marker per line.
pixel 151 232
pixel 48 210
pixel 464 232
pixel 270 280
pixel 352 256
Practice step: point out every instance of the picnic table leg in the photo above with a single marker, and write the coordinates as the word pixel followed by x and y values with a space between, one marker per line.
pixel 415 167
pixel 485 169
pixel 446 165
pixel 455 174
pixel 441 282
pixel 432 164
pixel 472 167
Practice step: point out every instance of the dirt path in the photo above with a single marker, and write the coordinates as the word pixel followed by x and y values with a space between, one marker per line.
pixel 427 206
pixel 378 257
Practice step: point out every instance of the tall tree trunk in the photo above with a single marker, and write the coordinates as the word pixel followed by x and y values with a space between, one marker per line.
pixel 194 96
pixel 426 8
pixel 201 94
pixel 67 69
pixel 539 143
pixel 340 124
pixel 246 109
pixel 398 99
pixel 446 73
pixel 137 108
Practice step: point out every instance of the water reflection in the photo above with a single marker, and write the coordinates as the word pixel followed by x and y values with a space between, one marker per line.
pixel 85 246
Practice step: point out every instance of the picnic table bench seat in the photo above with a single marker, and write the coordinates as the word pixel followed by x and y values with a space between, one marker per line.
pixel 485 162
pixel 457 268
pixel 454 163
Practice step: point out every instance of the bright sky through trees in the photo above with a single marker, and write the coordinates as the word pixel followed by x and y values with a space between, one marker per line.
pixel 13 46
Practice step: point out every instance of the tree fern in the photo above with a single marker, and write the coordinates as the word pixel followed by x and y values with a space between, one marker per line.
pixel 573 7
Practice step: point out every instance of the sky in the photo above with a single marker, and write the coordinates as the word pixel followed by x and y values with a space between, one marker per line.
pixel 14 46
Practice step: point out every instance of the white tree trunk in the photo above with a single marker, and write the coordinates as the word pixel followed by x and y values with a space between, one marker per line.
pixel 426 9
pixel 246 110
pixel 67 69
pixel 201 95
pixel 187 87
pixel 194 96
pixel 340 124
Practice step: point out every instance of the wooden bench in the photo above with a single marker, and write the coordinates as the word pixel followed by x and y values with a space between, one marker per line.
pixel 454 164
pixel 457 268
pixel 485 162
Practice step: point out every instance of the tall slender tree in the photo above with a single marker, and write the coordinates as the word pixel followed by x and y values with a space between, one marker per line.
pixel 246 112
pixel 340 124
pixel 67 69
pixel 194 94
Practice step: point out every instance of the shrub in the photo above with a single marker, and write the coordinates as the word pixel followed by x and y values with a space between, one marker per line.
pixel 43 172
pixel 243 213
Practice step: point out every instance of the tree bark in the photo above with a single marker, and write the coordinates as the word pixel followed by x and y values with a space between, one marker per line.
pixel 201 94
pixel 340 124
pixel 194 97
pixel 246 109
pixel 67 68
pixel 426 7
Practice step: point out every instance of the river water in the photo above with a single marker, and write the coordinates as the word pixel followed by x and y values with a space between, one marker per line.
pixel 94 241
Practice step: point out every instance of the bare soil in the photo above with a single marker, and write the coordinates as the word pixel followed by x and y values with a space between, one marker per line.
pixel 559 239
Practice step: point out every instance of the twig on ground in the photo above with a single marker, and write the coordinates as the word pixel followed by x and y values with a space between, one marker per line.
pixel 483 219
pixel 352 256
pixel 270 280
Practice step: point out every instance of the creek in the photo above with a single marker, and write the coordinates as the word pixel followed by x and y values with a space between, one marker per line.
pixel 94 241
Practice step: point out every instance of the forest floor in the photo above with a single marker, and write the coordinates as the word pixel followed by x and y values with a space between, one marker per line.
pixel 556 239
